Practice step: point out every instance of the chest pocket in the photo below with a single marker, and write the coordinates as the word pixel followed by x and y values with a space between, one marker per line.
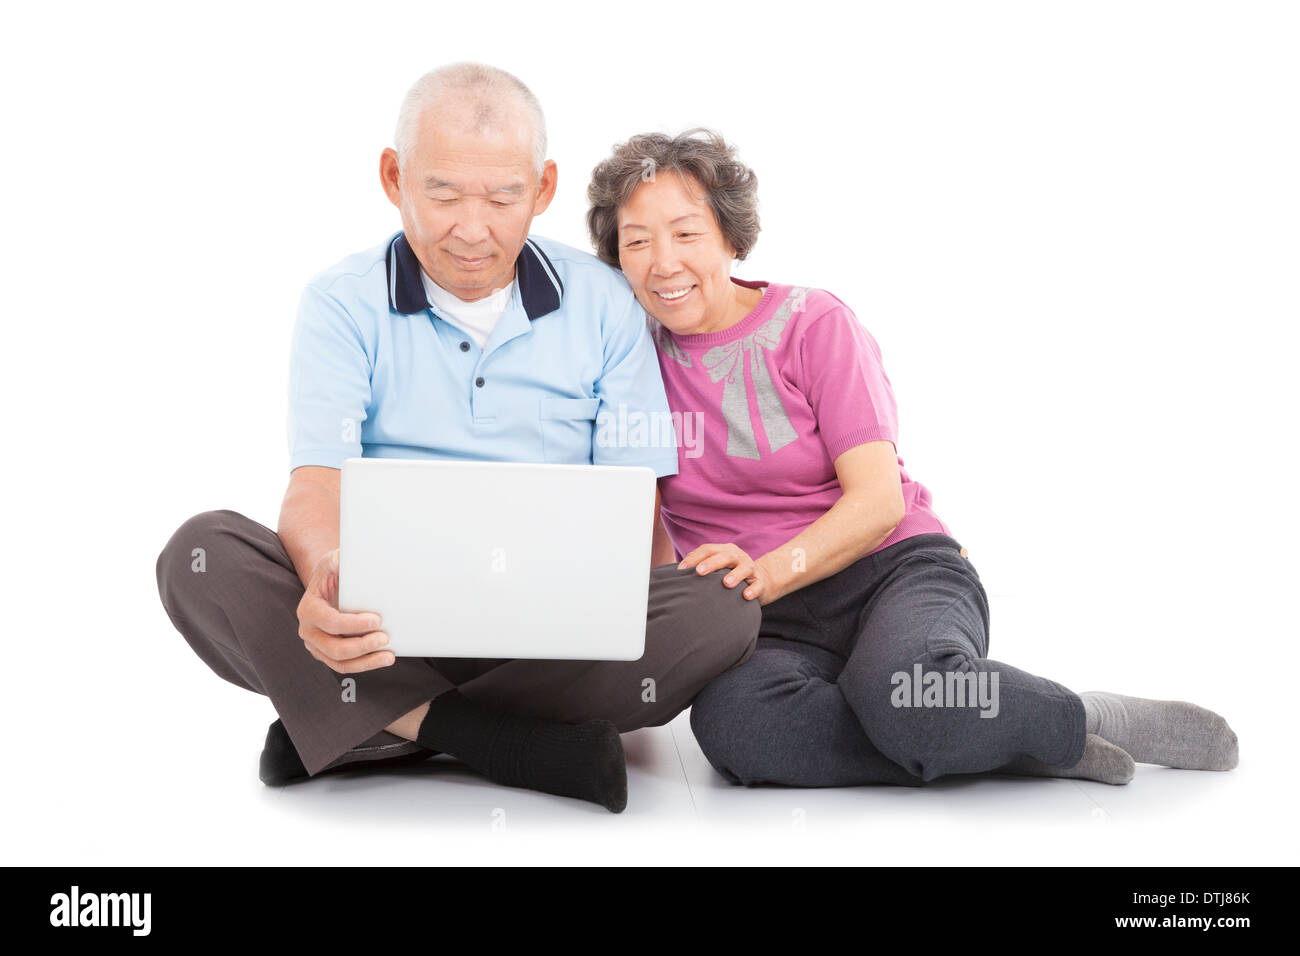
pixel 566 425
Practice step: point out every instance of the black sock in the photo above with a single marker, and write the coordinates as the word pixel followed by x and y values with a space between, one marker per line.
pixel 571 760
pixel 280 763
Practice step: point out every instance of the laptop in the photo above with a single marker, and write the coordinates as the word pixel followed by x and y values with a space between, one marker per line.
pixel 498 559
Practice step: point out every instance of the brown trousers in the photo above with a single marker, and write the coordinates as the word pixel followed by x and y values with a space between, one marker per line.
pixel 235 601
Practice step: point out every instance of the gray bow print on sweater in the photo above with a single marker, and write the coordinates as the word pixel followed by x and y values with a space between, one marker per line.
pixel 664 339
pixel 726 363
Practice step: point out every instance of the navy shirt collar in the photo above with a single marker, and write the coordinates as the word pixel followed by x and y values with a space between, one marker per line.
pixel 540 287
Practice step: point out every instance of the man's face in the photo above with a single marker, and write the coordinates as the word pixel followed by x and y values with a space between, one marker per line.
pixel 467 199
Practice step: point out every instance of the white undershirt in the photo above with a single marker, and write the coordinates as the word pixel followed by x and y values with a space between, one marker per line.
pixel 476 319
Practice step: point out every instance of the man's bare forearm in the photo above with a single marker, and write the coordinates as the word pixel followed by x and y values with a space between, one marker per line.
pixel 661 548
pixel 309 524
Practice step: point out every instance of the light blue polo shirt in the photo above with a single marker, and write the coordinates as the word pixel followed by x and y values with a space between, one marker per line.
pixel 375 373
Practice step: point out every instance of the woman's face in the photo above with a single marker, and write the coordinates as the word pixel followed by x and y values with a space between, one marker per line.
pixel 675 257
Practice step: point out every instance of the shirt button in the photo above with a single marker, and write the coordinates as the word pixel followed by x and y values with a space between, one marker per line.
pixel 479 381
pixel 464 346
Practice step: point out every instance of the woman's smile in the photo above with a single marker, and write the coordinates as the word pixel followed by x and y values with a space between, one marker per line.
pixel 674 296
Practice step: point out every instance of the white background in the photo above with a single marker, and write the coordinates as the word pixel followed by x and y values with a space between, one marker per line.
pixel 1072 228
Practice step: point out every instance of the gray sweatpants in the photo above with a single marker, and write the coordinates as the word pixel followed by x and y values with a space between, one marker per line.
pixel 237 608
pixel 831 696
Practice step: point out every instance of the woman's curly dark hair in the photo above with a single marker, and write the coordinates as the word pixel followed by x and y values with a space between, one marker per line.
pixel 731 187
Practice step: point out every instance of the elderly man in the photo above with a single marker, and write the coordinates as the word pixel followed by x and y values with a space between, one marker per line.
pixel 461 337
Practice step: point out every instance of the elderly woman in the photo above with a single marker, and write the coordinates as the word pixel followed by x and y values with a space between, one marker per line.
pixel 872 662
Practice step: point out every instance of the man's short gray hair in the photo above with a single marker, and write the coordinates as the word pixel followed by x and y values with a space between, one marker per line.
pixel 731 187
pixel 490 91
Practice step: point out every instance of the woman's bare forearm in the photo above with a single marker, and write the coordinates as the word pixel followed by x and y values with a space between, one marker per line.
pixel 850 529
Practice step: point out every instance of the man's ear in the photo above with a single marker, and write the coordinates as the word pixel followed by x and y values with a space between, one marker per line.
pixel 546 187
pixel 390 176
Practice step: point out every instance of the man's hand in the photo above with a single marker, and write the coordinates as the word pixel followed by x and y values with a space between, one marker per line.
pixel 711 557
pixel 346 643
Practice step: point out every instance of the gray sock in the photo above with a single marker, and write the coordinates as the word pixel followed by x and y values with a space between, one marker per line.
pixel 1172 733
pixel 1102 761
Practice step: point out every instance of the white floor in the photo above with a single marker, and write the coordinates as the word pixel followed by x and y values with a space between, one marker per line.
pixel 124 793
pixel 125 749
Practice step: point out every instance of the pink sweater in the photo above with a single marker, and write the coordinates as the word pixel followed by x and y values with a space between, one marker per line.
pixel 767 405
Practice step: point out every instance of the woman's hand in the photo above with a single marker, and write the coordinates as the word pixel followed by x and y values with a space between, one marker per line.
pixel 712 557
